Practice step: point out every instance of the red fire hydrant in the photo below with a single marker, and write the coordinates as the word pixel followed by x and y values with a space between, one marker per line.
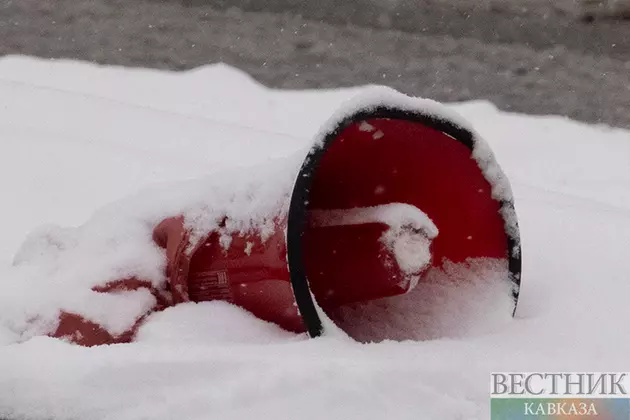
pixel 392 186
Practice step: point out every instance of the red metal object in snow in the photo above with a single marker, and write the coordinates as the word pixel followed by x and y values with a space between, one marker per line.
pixel 375 157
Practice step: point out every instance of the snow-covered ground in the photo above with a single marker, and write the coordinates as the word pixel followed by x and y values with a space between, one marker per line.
pixel 75 137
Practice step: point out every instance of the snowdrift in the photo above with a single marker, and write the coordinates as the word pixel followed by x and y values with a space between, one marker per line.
pixel 76 137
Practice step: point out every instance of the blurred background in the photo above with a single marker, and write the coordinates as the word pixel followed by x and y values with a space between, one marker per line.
pixel 567 57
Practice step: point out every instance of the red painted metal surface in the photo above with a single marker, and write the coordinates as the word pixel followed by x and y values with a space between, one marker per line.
pixel 395 161
pixel 385 161
pixel 251 273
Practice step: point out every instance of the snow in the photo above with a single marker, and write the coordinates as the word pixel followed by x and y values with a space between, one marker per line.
pixel 76 137
pixel 210 323
pixel 394 215
pixel 231 201
pixel 412 250
pixel 456 301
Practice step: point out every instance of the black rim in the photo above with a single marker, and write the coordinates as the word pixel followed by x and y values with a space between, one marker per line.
pixel 301 191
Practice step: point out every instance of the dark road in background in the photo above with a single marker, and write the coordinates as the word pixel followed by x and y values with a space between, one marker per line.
pixel 537 63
